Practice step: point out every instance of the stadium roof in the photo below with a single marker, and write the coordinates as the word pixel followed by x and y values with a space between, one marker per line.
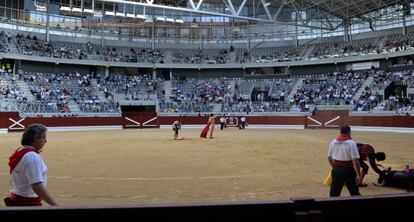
pixel 341 8
pixel 269 10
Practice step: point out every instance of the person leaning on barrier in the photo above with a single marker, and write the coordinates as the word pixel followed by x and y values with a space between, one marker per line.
pixel 343 156
pixel 28 171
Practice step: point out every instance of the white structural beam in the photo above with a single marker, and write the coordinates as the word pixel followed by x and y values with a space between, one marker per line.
pixel 229 3
pixel 199 4
pixel 194 6
pixel 150 4
pixel 195 9
pixel 266 8
pixel 279 10
pixel 241 7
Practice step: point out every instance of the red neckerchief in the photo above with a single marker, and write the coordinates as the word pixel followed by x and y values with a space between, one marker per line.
pixel 342 137
pixel 18 155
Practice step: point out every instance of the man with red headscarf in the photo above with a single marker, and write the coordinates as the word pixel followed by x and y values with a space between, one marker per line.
pixel 28 171
pixel 343 156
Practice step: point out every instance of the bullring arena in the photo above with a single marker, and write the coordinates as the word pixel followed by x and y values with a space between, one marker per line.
pixel 108 78
pixel 145 166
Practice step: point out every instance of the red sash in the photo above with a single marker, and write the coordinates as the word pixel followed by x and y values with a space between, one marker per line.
pixel 18 155
pixel 17 200
pixel 343 163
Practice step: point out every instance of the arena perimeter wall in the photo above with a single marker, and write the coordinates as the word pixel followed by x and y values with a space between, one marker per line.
pixel 11 121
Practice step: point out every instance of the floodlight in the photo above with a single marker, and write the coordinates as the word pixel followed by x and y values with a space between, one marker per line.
pixel 120 14
pixel 40 8
pixel 97 14
pixel 76 10
pixel 129 15
pixel 65 8
pixel 160 18
pixel 87 10
pixel 110 13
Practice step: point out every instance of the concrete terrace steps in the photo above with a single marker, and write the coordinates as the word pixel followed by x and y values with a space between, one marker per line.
pixel 99 93
pixel 217 108
pixel 308 50
pixel 367 82
pixel 232 57
pixel 73 107
pixel 167 86
pixel 297 85
pixel 25 88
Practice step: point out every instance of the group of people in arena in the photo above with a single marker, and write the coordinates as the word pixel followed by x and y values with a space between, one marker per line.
pixel 28 171
pixel 209 128
pixel 347 160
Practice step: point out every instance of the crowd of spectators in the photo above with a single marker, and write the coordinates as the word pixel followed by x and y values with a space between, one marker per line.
pixel 32 45
pixel 52 92
pixel 133 87
pixel 336 88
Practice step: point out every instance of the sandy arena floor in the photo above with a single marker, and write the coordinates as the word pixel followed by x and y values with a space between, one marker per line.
pixel 147 167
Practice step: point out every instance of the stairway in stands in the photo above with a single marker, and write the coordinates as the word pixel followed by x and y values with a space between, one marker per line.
pixel 366 83
pixel 99 93
pixel 12 46
pixel 25 88
pixel 232 57
pixel 295 88
pixel 168 56
pixel 73 107
pixel 232 86
pixel 217 108
pixel 167 85
pixel 308 50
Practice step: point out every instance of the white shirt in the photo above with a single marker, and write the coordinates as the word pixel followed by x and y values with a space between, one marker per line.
pixel 343 151
pixel 222 119
pixel 30 170
pixel 243 119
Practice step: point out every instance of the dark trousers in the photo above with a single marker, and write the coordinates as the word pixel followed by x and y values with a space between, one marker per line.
pixel 221 126
pixel 341 176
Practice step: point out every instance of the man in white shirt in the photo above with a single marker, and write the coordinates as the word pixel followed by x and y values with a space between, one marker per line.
pixel 28 171
pixel 343 156
pixel 242 122
pixel 222 122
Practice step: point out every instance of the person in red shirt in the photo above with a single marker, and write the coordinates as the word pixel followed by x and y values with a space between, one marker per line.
pixel 367 152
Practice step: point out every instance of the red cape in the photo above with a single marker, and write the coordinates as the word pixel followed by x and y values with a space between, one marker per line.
pixel 204 132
